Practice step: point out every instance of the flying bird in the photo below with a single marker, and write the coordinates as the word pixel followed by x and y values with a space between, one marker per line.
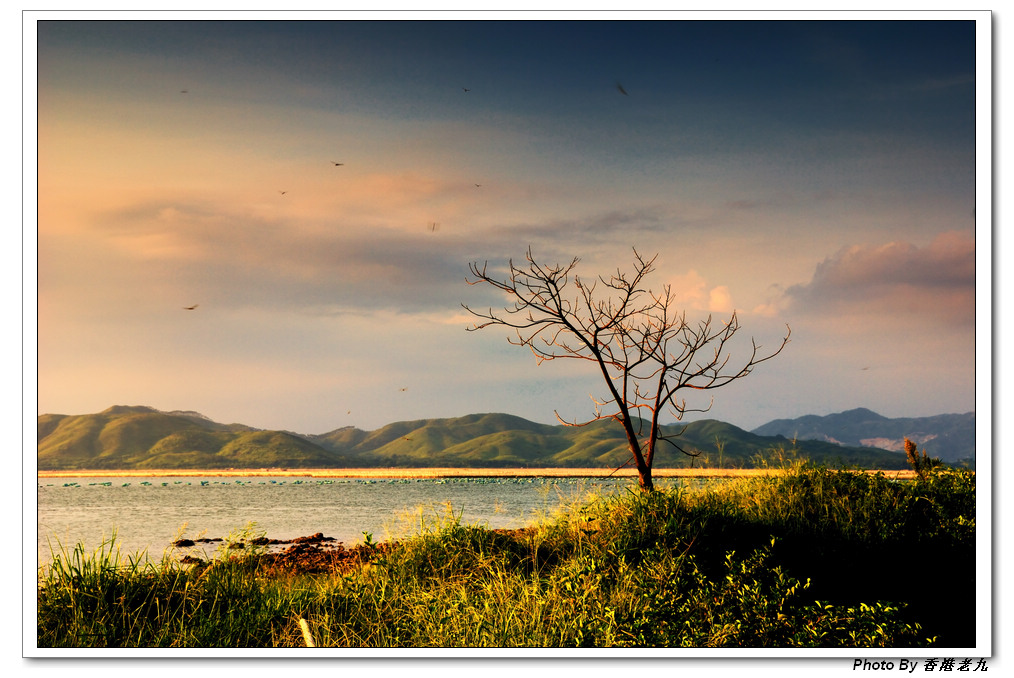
pixel 183 91
pixel 403 389
pixel 283 192
pixel 337 164
pixel 190 308
pixel 433 228
pixel 622 91
pixel 478 185
pixel 466 89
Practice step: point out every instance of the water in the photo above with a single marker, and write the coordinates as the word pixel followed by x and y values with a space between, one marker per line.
pixel 148 514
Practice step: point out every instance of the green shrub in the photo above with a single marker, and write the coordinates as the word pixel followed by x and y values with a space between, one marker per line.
pixel 754 605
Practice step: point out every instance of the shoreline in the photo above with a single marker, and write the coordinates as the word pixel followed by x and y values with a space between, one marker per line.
pixel 438 473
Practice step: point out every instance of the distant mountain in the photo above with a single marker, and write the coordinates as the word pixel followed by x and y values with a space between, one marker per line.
pixel 949 437
pixel 143 437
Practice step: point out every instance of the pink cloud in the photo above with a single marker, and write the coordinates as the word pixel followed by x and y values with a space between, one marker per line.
pixel 720 300
pixel 936 281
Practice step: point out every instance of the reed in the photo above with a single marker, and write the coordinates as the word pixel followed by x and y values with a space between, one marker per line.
pixel 746 563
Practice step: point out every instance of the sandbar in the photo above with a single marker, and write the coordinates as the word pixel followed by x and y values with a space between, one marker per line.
pixel 437 473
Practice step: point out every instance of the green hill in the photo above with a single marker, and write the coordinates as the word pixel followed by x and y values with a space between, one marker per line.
pixel 142 437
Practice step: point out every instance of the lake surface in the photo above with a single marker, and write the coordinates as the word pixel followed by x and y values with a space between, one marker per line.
pixel 148 514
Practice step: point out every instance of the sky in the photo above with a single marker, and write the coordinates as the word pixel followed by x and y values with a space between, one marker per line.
pixel 816 174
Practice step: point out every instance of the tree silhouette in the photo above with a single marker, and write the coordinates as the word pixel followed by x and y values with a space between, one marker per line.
pixel 649 355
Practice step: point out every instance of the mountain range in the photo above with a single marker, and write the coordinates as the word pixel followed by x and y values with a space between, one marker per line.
pixel 949 437
pixel 139 437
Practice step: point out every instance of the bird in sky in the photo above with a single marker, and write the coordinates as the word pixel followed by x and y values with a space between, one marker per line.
pixel 190 308
pixel 403 389
pixel 466 89
pixel 337 164
pixel 622 91
pixel 283 192
pixel 433 228
pixel 183 91
pixel 478 185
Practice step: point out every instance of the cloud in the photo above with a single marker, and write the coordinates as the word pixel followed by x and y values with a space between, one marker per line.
pixel 936 281
pixel 561 237
pixel 775 302
pixel 720 300
pixel 944 83
pixel 236 257
pixel 690 289
pixel 693 293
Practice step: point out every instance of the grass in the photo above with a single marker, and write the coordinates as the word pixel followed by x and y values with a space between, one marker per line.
pixel 808 558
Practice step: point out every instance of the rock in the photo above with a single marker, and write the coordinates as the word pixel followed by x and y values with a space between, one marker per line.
pixel 313 539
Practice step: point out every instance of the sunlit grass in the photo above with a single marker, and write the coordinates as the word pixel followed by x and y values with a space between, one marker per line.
pixel 756 562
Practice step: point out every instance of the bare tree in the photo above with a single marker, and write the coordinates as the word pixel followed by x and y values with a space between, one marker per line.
pixel 648 353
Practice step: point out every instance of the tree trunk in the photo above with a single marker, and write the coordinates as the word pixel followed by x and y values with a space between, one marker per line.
pixel 643 467
pixel 644 478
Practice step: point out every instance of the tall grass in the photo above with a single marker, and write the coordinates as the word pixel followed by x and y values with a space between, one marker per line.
pixel 741 563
